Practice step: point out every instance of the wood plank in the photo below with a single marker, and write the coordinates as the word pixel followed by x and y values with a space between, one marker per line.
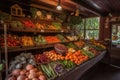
pixel 66 5
pixel 45 8
pixel 54 3
pixel 27 48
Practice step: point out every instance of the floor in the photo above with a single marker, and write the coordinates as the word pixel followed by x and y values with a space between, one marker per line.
pixel 102 72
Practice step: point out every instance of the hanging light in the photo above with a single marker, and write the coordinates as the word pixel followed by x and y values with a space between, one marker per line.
pixel 59 6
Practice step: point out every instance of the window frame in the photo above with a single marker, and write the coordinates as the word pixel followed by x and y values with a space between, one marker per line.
pixel 85 29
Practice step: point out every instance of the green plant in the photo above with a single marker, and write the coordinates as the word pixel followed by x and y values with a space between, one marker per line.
pixel 4 16
pixel 62 17
pixel 74 20
pixel 1 67
pixel 33 12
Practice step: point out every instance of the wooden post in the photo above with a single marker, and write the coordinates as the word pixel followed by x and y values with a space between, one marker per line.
pixel 0 62
pixel 6 54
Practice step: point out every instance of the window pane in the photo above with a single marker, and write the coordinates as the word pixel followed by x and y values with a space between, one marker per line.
pixel 81 34
pixel 96 34
pixel 92 34
pixel 92 23
pixel 81 25
pixel 89 29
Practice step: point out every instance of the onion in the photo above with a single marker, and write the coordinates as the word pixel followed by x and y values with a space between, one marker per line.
pixel 42 77
pixel 29 67
pixel 36 69
pixel 21 77
pixel 33 70
pixel 16 72
pixel 39 73
pixel 12 78
pixel 26 78
pixel 32 75
pixel 35 79
pixel 27 73
pixel 23 72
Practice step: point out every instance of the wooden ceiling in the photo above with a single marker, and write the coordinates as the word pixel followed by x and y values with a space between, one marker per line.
pixel 86 7
pixel 67 5
pixel 101 7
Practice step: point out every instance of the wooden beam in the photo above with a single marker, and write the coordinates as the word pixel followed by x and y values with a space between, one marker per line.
pixel 46 8
pixel 87 7
pixel 54 3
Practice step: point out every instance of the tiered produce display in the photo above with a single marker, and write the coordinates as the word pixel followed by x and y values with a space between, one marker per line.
pixel 27 23
pixel 49 65
pixel 46 65
pixel 12 40
pixel 15 41
pixel 30 26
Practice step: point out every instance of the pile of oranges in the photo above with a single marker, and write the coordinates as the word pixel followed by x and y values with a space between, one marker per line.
pixel 52 55
pixel 77 57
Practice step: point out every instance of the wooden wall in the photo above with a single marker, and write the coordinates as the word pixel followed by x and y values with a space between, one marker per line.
pixel 104 28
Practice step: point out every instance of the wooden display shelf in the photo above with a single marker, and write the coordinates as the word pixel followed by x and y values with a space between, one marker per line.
pixel 34 20
pixel 26 48
pixel 34 30
pixel 77 72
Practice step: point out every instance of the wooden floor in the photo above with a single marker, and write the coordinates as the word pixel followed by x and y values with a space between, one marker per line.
pixel 102 72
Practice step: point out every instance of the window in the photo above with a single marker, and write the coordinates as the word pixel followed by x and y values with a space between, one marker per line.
pixel 89 28
pixel 115 35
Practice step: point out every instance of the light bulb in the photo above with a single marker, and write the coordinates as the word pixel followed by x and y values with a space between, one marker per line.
pixel 59 7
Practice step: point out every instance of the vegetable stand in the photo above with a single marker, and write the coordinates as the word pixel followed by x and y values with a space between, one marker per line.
pixel 31 42
pixel 16 29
